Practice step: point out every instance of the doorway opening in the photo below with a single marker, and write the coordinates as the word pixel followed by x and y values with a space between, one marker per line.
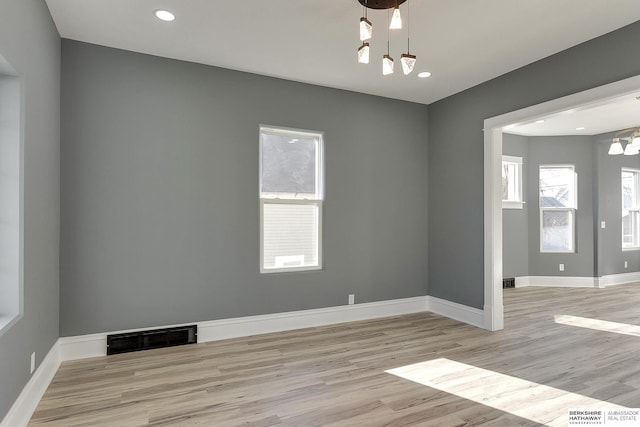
pixel 493 128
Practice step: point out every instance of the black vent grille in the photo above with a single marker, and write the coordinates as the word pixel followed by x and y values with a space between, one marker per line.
pixel 509 283
pixel 146 340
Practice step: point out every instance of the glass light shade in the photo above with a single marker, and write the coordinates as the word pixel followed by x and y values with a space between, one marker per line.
pixel 635 140
pixel 366 29
pixel 630 150
pixel 164 15
pixel 616 147
pixel 396 20
pixel 408 62
pixel 363 53
pixel 387 65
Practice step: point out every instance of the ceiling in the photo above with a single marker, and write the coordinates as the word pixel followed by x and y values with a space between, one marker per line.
pixel 608 115
pixel 461 42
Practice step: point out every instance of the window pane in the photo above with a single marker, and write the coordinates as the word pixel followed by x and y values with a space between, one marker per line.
pixel 510 182
pixel 557 187
pixel 290 236
pixel 628 190
pixel 557 230
pixel 289 165
pixel 630 229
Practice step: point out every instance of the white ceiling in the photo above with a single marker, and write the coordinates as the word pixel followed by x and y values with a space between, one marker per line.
pixel 609 115
pixel 461 42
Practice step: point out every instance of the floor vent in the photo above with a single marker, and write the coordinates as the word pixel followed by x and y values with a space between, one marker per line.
pixel 147 340
pixel 509 283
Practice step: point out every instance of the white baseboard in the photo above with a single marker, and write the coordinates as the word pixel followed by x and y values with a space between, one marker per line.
pixel 557 281
pixel 253 325
pixel 83 346
pixel 95 345
pixel 26 403
pixel 618 279
pixel 463 313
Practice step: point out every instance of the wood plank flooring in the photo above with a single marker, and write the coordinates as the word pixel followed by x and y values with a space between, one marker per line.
pixel 561 348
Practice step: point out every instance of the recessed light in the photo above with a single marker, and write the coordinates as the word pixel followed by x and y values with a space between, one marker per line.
pixel 424 74
pixel 164 15
pixel 539 121
pixel 580 128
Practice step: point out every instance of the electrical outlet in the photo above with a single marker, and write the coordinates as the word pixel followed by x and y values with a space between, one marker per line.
pixel 33 362
pixel 352 299
pixel 561 267
pixel 626 264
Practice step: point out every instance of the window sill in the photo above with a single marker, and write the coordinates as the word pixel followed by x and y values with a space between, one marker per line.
pixel 7 321
pixel 507 204
pixel 630 249
pixel 290 269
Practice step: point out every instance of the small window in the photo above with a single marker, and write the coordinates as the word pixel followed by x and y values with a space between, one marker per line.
pixel 558 206
pixel 630 209
pixel 512 196
pixel 291 196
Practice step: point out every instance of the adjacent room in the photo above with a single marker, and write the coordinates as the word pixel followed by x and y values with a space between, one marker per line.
pixel 294 213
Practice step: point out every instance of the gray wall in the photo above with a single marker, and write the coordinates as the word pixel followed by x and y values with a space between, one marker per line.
pixel 578 151
pixel 515 222
pixel 611 257
pixel 160 212
pixel 30 43
pixel 456 241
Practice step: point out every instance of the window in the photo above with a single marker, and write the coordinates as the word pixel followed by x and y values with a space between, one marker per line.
pixel 557 208
pixel 10 199
pixel 512 196
pixel 630 209
pixel 291 195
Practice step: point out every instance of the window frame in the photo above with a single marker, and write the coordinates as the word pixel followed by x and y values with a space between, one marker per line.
pixel 12 197
pixel 286 199
pixel 571 210
pixel 518 162
pixel 636 209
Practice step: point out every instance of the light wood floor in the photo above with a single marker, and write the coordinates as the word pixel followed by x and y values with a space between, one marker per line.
pixel 561 349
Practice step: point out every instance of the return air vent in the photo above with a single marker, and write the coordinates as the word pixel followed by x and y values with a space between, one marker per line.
pixel 146 340
pixel 509 283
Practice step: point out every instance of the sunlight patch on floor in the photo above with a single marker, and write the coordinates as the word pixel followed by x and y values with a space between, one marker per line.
pixel 600 325
pixel 526 399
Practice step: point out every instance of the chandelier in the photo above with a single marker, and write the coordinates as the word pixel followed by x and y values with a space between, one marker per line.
pixel 394 22
pixel 632 142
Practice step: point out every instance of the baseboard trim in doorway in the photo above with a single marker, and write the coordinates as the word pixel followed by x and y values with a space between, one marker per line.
pixel 557 281
pixel 618 279
pixel 452 310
